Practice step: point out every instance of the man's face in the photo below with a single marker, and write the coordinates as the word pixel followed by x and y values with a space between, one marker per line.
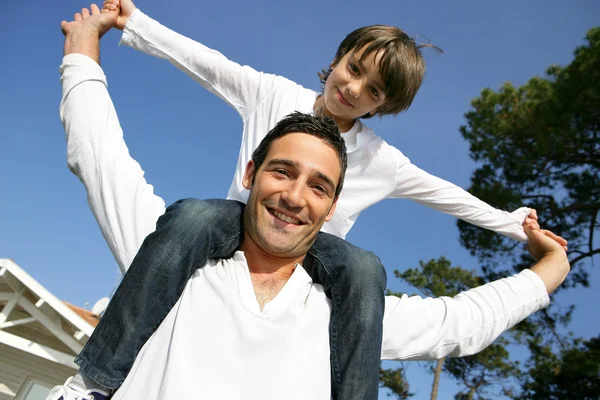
pixel 355 88
pixel 292 194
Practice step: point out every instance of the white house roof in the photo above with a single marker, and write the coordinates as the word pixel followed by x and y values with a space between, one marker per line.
pixel 34 320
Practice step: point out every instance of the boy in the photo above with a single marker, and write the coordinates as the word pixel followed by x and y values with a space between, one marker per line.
pixel 377 70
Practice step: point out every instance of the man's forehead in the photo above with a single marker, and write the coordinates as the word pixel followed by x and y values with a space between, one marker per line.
pixel 298 138
pixel 303 149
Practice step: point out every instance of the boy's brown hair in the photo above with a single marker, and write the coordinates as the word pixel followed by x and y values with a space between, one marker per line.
pixel 402 66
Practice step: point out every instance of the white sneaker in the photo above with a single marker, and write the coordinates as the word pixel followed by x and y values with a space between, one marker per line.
pixel 71 391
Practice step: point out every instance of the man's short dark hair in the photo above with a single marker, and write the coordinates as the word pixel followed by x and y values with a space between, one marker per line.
pixel 320 126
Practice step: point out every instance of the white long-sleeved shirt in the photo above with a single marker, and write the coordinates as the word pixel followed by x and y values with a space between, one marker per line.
pixel 376 170
pixel 216 342
pixel 216 330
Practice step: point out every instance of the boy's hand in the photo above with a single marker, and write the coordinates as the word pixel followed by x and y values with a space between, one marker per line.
pixel 127 8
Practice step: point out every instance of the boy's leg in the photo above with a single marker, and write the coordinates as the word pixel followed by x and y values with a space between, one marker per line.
pixel 355 280
pixel 189 234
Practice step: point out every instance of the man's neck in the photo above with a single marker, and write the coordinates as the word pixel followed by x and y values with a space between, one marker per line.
pixel 269 273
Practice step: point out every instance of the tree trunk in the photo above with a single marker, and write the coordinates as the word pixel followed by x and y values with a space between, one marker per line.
pixel 436 378
pixel 471 393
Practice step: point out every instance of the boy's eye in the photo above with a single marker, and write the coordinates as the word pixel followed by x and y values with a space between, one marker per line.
pixel 375 92
pixel 354 68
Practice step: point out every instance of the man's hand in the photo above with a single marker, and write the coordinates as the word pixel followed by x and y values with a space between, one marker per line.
pixel 532 221
pixel 126 6
pixel 549 250
pixel 82 35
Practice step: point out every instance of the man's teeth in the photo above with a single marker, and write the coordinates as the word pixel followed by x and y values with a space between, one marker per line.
pixel 286 218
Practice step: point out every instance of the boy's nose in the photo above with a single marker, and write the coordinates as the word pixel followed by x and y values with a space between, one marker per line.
pixel 354 88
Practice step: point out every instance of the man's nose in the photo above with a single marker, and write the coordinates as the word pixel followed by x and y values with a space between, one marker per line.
pixel 294 195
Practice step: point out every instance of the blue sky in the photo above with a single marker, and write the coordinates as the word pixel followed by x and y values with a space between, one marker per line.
pixel 187 140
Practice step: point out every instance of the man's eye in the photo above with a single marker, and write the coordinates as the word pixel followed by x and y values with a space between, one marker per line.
pixel 320 188
pixel 281 172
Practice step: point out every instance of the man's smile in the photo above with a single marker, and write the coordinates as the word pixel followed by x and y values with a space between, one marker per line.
pixel 284 217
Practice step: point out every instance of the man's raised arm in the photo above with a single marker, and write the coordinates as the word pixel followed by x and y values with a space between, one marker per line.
pixel 120 198
pixel 432 328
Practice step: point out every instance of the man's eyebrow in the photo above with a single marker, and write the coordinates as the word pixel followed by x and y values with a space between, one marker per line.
pixel 290 163
pixel 327 180
pixel 281 161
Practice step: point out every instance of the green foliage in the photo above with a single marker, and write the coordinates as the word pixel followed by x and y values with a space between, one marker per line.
pixel 395 381
pixel 480 372
pixel 437 278
pixel 539 145
pixel 572 375
pixel 484 372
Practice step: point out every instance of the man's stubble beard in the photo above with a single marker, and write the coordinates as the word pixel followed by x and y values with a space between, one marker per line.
pixel 289 246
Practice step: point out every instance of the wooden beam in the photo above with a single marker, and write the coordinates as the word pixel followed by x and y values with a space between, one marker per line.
pixel 52 326
pixel 22 321
pixel 38 350
pixel 13 282
pixel 47 309
pixel 7 309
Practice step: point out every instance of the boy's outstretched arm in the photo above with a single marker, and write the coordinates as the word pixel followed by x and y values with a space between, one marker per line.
pixel 416 184
pixel 121 200
pixel 242 87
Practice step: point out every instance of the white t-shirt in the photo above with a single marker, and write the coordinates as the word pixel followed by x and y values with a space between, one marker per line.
pixel 216 343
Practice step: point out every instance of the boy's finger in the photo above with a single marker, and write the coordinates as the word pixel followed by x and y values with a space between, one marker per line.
pixel 533 214
pixel 532 223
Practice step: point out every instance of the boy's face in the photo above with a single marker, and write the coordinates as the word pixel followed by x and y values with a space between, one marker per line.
pixel 355 88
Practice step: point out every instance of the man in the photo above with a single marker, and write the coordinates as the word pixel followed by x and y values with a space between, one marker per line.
pixel 255 325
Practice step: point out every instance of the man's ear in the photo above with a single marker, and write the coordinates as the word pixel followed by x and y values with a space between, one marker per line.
pixel 249 175
pixel 331 210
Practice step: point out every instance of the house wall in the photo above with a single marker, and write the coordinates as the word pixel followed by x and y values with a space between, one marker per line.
pixel 17 365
